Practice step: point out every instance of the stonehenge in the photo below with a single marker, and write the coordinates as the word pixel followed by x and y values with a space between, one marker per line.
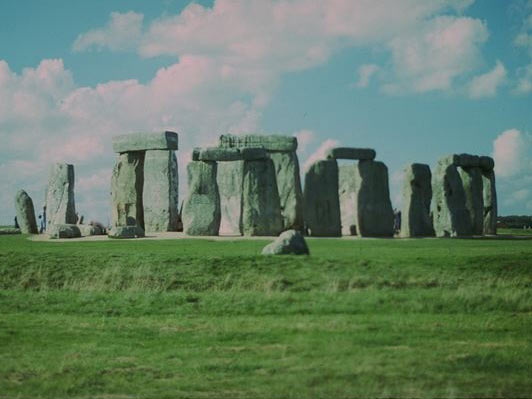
pixel 417 195
pixel 25 213
pixel 60 205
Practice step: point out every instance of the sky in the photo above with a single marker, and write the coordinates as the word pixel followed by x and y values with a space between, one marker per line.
pixel 414 79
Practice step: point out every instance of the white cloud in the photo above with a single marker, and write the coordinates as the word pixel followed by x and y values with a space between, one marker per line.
pixel 524 82
pixel 365 73
pixel 512 152
pixel 486 85
pixel 304 138
pixel 320 153
pixel 524 40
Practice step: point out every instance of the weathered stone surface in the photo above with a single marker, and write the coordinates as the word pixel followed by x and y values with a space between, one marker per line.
pixel 59 230
pixel 126 232
pixel 268 142
pixel 25 213
pixel 490 202
pixel 60 206
pixel 291 242
pixel 160 192
pixel 417 196
pixel 90 230
pixel 229 154
pixel 374 208
pixel 351 153
pixel 487 163
pixel 201 210
pixel 348 192
pixel 321 202
pixel 145 141
pixel 261 208
pixel 127 182
pixel 289 187
pixel 449 213
pixel 230 178
pixel 472 182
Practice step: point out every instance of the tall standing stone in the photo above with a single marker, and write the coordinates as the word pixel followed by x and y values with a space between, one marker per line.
pixel 489 195
pixel 230 180
pixel 160 192
pixel 25 213
pixel 473 190
pixel 348 192
pixel 201 209
pixel 60 205
pixel 321 201
pixel 261 208
pixel 417 196
pixel 127 182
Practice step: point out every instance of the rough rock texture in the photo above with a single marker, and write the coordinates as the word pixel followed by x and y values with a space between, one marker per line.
pixel 127 182
pixel 490 202
pixel 60 206
pixel 228 154
pixel 348 192
pixel 160 192
pixel 230 179
pixel 449 213
pixel 351 153
pixel 472 182
pixel 486 163
pixel 126 232
pixel 417 196
pixel 201 210
pixel 374 208
pixel 268 142
pixel 321 202
pixel 25 213
pixel 291 242
pixel 261 208
pixel 145 141
pixel 90 230
pixel 59 230
pixel 289 187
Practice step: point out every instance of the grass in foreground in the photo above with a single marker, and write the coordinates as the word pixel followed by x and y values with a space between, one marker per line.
pixel 195 318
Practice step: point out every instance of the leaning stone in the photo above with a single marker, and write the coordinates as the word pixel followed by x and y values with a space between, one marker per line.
pixel 289 187
pixel 351 153
pixel 230 154
pixel 348 185
pixel 417 196
pixel 127 182
pixel 472 182
pixel 126 232
pixel 487 163
pixel 201 210
pixel 268 142
pixel 321 202
pixel 160 192
pixel 490 202
pixel 230 179
pixel 64 231
pixel 25 213
pixel 261 208
pixel 60 206
pixel 145 141
pixel 291 242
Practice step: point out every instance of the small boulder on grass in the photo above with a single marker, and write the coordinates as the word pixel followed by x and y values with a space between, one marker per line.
pixel 291 242
pixel 64 231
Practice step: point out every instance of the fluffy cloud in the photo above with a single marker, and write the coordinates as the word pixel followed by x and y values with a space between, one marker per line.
pixel 365 72
pixel 320 153
pixel 486 85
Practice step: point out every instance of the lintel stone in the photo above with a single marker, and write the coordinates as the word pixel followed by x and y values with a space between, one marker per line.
pixel 268 142
pixel 363 154
pixel 145 141
pixel 228 154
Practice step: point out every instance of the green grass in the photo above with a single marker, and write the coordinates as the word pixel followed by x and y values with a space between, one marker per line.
pixel 200 318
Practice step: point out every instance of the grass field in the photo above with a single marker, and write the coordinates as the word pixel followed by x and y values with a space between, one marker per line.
pixel 201 318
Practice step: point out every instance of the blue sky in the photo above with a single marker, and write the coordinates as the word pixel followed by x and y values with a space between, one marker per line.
pixel 414 79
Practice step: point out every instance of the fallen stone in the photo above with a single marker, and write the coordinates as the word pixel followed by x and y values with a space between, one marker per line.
pixel 90 230
pixel 230 178
pixel 321 201
pixel 261 208
pixel 487 163
pixel 25 213
pixel 351 153
pixel 268 142
pixel 490 202
pixel 201 210
pixel 4 231
pixel 60 205
pixel 126 232
pixel 127 183
pixel 417 195
pixel 64 231
pixel 348 186
pixel 474 201
pixel 229 154
pixel 145 141
pixel 160 192
pixel 291 242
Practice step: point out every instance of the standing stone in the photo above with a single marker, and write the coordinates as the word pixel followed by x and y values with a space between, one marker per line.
pixel 261 208
pixel 230 180
pixel 417 196
pixel 489 195
pixel 374 208
pixel 160 192
pixel 60 206
pixel 201 210
pixel 321 202
pixel 289 186
pixel 449 213
pixel 127 182
pixel 25 213
pixel 472 182
pixel 347 191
